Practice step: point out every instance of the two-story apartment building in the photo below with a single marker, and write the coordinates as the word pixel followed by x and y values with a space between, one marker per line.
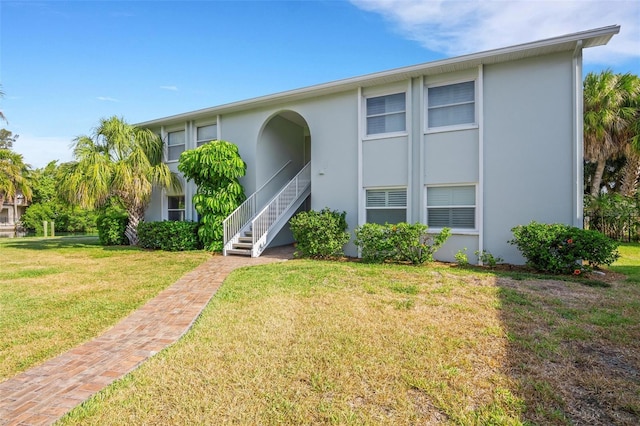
pixel 478 143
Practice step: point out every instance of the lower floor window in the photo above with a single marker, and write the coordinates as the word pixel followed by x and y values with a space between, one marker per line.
pixel 386 205
pixel 451 207
pixel 176 208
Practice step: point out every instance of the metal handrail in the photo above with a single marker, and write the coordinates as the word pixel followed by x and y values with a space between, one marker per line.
pixel 278 205
pixel 242 215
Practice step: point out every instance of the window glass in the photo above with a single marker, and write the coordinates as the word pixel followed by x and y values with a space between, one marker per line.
pixel 386 205
pixel 451 206
pixel 451 105
pixel 175 143
pixel 206 134
pixel 386 114
pixel 175 207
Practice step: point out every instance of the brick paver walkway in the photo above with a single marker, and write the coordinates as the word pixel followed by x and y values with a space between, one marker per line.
pixel 43 394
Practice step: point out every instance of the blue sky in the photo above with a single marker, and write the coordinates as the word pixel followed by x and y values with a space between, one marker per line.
pixel 66 64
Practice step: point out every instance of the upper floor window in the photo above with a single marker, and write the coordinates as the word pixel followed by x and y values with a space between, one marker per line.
pixel 206 134
pixel 386 114
pixel 451 207
pixel 386 205
pixel 451 105
pixel 176 207
pixel 175 145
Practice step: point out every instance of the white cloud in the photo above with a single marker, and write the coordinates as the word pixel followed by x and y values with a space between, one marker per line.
pixel 172 88
pixel 39 151
pixel 107 99
pixel 456 27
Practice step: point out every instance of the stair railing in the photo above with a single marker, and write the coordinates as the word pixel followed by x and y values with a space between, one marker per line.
pixel 241 216
pixel 278 205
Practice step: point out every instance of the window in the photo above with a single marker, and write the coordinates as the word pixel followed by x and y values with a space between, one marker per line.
pixel 451 206
pixel 451 105
pixel 386 205
pixel 175 143
pixel 175 210
pixel 206 134
pixel 386 114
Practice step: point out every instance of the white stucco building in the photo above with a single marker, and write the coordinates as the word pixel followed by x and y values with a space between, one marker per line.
pixel 479 143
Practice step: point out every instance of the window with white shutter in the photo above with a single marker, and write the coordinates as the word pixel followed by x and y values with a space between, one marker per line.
pixel 386 205
pixel 386 114
pixel 451 105
pixel 451 206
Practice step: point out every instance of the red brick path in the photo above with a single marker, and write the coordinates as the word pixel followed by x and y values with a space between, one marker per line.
pixel 43 394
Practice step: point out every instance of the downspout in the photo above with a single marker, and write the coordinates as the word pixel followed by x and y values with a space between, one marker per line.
pixel 578 135
pixel 480 190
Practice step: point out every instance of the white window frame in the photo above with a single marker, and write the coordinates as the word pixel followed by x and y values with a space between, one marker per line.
pixel 184 145
pixel 387 207
pixel 200 142
pixel 183 210
pixel 367 116
pixel 462 126
pixel 472 231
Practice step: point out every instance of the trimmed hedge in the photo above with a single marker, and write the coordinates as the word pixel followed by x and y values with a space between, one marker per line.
pixel 401 242
pixel 563 249
pixel 111 227
pixel 320 235
pixel 169 235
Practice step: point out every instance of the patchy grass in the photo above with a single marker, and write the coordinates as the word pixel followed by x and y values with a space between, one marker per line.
pixel 307 342
pixel 629 262
pixel 56 293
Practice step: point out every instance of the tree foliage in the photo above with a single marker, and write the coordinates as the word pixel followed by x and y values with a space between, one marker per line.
pixel 612 129
pixel 13 176
pixel 119 161
pixel 216 168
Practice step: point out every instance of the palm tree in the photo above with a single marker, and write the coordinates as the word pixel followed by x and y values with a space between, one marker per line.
pixel 631 170
pixel 13 178
pixel 121 161
pixel 608 113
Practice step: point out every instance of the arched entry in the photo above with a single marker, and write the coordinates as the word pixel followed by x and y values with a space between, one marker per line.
pixel 283 148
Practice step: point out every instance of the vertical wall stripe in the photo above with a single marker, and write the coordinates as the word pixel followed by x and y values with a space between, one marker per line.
pixel 423 210
pixel 578 142
pixel 218 127
pixel 480 195
pixel 361 207
pixel 410 129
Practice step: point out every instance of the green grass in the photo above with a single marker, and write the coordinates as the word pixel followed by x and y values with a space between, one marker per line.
pixel 56 293
pixel 307 342
pixel 629 262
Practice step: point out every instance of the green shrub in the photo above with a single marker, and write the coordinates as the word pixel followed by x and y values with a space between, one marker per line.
pixel 563 249
pixel 401 242
pixel 461 257
pixel 487 258
pixel 320 234
pixel 169 235
pixel 111 227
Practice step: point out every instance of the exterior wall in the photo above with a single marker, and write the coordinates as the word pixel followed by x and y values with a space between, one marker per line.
pixel 527 148
pixel 521 166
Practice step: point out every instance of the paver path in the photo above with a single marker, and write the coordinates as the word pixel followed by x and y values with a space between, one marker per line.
pixel 43 394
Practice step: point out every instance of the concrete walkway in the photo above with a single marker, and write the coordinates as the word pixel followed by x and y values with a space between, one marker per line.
pixel 43 394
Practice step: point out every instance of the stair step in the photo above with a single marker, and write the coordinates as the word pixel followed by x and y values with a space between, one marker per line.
pixel 248 234
pixel 243 245
pixel 239 252
pixel 245 239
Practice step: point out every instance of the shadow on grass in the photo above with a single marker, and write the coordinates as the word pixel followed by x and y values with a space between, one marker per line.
pixel 571 349
pixel 71 241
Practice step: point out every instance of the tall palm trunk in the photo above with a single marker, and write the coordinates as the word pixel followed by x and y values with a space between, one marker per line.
pixel 136 215
pixel 631 175
pixel 597 177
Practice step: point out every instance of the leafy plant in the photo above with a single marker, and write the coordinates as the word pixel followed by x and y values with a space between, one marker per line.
pixel 111 228
pixel 487 258
pixel 461 257
pixel 563 249
pixel 320 234
pixel 400 242
pixel 215 168
pixel 169 235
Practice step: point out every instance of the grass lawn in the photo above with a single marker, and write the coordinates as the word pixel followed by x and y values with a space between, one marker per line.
pixel 309 342
pixel 56 293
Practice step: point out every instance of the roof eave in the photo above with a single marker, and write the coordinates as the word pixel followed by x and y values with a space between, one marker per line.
pixel 590 38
